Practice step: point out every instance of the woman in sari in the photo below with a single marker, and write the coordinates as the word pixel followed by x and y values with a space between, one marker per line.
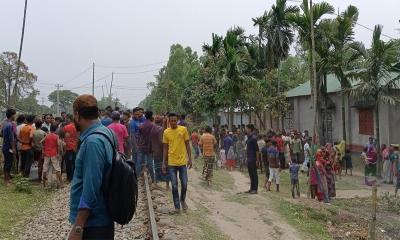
pixel 387 164
pixel 370 158
pixel 330 174
pixel 322 188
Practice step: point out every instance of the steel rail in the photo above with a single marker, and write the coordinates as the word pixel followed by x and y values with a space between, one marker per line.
pixel 152 216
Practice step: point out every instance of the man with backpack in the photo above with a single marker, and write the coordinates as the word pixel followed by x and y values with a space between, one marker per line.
pixel 88 208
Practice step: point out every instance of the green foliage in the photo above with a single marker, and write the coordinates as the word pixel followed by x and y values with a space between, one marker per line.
pixel 23 185
pixel 182 70
pixel 12 89
pixel 66 97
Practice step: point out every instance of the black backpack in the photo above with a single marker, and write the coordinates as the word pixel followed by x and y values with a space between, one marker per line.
pixel 120 187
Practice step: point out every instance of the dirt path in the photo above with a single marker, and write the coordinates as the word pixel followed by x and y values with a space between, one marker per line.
pixel 250 220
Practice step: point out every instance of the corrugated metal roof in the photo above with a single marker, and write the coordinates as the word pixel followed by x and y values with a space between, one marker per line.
pixel 333 85
pixel 332 82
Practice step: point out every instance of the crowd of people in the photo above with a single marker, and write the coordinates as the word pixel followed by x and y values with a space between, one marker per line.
pixel 161 144
pixel 46 141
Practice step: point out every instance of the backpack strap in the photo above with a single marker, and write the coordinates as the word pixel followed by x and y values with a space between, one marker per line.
pixel 112 142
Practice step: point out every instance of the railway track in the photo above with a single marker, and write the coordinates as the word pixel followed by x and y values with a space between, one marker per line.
pixel 152 220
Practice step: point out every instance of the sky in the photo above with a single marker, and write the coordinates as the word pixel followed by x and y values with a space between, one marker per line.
pixel 63 38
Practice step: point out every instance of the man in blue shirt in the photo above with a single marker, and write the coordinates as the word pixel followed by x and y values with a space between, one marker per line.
pixel 137 120
pixel 252 149
pixel 8 132
pixel 107 119
pixel 88 211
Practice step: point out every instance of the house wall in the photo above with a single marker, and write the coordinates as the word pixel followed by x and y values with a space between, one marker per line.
pixel 303 118
pixel 236 118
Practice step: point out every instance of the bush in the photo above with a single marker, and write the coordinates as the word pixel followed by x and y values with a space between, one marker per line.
pixel 23 185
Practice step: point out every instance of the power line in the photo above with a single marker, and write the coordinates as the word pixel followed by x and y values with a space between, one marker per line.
pixel 134 66
pixel 78 75
pixel 86 84
pixel 133 73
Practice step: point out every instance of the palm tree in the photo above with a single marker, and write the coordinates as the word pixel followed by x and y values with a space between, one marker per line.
pixel 378 79
pixel 279 31
pixel 340 38
pixel 302 22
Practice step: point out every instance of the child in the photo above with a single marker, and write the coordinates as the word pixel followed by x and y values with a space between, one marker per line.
pixel 50 153
pixel 274 166
pixel 264 157
pixel 348 162
pixel 294 178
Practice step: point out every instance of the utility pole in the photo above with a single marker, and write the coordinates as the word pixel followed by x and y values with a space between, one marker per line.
pixel 58 98
pixel 112 80
pixel 93 81
pixel 102 89
pixel 20 50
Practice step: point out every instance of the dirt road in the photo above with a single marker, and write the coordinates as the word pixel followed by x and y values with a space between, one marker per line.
pixel 238 215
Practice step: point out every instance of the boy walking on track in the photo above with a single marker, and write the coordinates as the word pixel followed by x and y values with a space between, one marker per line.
pixel 177 148
pixel 207 143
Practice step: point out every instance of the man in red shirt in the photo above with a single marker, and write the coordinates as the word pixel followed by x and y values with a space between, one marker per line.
pixel 280 145
pixel 71 141
pixel 50 152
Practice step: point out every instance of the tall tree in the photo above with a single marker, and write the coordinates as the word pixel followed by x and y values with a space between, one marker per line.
pixel 340 36
pixel 66 98
pixel 379 78
pixel 11 88
pixel 304 23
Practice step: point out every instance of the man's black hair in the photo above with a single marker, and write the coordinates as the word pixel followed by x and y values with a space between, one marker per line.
pixel 21 119
pixel 70 117
pixel 30 119
pixel 59 119
pixel 38 123
pixel 183 116
pixel 208 129
pixel 172 115
pixel 10 112
pixel 53 127
pixel 141 109
pixel 63 113
pixel 47 114
pixel 273 143
pixel 135 109
pixel 250 126
pixel 117 109
pixel 45 129
pixel 148 114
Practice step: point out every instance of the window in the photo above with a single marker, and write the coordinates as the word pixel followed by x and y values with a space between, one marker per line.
pixel 288 120
pixel 366 121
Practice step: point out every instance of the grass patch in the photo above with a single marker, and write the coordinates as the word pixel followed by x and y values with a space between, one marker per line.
pixel 198 218
pixel 241 198
pixel 307 220
pixel 221 178
pixel 17 207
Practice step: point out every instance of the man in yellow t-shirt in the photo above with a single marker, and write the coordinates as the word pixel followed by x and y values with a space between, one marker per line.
pixel 177 149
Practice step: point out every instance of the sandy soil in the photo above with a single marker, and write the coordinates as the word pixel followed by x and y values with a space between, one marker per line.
pixel 254 220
